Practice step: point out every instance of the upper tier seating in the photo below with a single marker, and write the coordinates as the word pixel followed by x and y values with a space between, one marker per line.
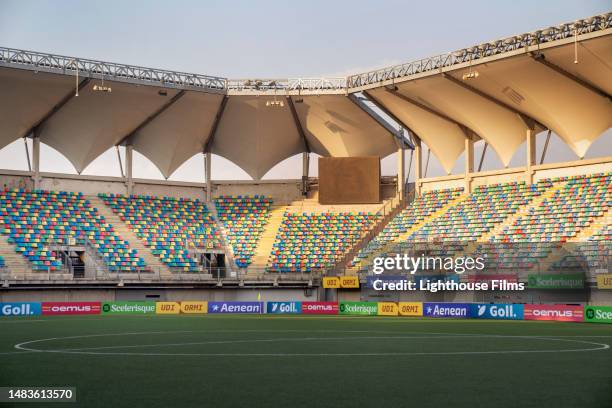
pixel 309 242
pixel 169 226
pixel 414 213
pixel 244 219
pixel 36 220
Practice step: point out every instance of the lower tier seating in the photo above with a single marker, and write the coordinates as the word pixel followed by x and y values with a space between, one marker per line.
pixel 36 221
pixel 309 242
pixel 244 219
pixel 171 227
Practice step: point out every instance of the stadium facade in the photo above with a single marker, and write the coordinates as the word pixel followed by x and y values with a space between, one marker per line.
pixel 120 238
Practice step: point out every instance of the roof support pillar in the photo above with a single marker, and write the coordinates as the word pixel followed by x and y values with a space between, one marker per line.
pixel 129 149
pixel 418 165
pixel 531 155
pixel 207 176
pixel 305 171
pixel 401 171
pixel 36 160
pixel 469 164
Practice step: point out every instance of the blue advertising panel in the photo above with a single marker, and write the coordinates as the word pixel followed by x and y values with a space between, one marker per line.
pixel 496 311
pixel 20 309
pixel 448 310
pixel 284 307
pixel 235 307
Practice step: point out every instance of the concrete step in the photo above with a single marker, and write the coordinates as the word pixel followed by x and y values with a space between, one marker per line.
pixel 267 237
pixel 14 261
pixel 124 231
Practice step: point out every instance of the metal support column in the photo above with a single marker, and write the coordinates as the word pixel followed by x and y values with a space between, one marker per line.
pixel 531 155
pixel 469 164
pixel 401 171
pixel 305 171
pixel 128 169
pixel 36 160
pixel 207 176
pixel 418 164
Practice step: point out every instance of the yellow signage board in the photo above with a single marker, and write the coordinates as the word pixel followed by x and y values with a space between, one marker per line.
pixel 167 308
pixel 331 282
pixel 349 282
pixel 411 308
pixel 194 307
pixel 604 281
pixel 388 309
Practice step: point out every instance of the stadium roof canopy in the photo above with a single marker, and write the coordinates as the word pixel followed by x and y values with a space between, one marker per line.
pixel 558 78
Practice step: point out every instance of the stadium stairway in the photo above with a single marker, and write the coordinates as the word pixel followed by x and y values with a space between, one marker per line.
pixel 227 248
pixel 396 208
pixel 405 235
pixel 266 239
pixel 499 228
pixel 123 231
pixel 14 261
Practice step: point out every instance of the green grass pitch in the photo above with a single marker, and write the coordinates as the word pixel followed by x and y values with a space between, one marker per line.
pixel 291 361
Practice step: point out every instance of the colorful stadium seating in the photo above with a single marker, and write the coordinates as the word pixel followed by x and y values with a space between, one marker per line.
pixel 36 220
pixel 244 219
pixel 485 207
pixel 2 264
pixel 169 226
pixel 309 242
pixel 556 219
pixel 414 213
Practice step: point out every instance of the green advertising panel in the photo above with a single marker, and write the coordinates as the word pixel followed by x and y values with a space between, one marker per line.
pixel 557 281
pixel 598 314
pixel 128 308
pixel 358 308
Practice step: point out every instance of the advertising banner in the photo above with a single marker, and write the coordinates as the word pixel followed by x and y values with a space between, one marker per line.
pixel 499 311
pixel 194 307
pixel 322 308
pixel 448 310
pixel 556 281
pixel 388 309
pixel 488 277
pixel 71 308
pixel 598 314
pixel 284 307
pixel 236 307
pixel 358 308
pixel 561 313
pixel 331 282
pixel 20 309
pixel 410 308
pixel 167 308
pixel 349 282
pixel 604 281
pixel 128 308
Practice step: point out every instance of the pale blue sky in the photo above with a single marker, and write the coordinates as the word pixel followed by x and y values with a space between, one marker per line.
pixel 240 39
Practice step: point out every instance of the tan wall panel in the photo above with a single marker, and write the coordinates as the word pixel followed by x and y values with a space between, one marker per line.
pixel 349 180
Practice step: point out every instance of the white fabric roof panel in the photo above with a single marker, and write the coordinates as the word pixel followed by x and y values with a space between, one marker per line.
pixel 445 139
pixel 578 115
pixel 93 122
pixel 179 132
pixel 336 126
pixel 25 98
pixel 503 129
pixel 254 136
